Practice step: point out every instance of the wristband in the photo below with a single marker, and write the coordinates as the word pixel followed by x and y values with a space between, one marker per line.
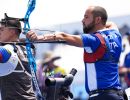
pixel 54 36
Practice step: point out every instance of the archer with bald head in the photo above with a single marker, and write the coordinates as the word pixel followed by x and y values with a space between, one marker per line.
pixel 102 42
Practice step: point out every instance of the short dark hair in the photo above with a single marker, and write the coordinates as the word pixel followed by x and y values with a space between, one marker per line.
pixel 11 22
pixel 100 11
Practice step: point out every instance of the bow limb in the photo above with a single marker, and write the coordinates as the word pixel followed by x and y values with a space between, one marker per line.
pixel 31 6
pixel 31 60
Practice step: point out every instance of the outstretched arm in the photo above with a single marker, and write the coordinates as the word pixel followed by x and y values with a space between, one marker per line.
pixel 74 40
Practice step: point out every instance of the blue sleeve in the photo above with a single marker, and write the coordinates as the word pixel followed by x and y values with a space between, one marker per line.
pixel 90 40
pixel 4 55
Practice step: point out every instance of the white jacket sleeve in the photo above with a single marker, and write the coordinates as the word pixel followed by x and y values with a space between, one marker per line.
pixel 8 64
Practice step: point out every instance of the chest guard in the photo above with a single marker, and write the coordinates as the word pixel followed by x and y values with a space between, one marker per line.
pixel 98 54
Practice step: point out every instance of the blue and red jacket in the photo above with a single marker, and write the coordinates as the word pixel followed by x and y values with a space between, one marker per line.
pixel 102 50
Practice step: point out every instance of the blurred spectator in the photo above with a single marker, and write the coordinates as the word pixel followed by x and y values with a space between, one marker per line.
pixel 125 69
pixel 127 66
pixel 48 68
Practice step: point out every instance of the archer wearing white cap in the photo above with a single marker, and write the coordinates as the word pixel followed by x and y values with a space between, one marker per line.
pixel 49 69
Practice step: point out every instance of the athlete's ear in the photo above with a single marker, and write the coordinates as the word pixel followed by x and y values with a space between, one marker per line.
pixel 98 20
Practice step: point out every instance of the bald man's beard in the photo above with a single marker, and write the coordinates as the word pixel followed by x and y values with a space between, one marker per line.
pixel 89 28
